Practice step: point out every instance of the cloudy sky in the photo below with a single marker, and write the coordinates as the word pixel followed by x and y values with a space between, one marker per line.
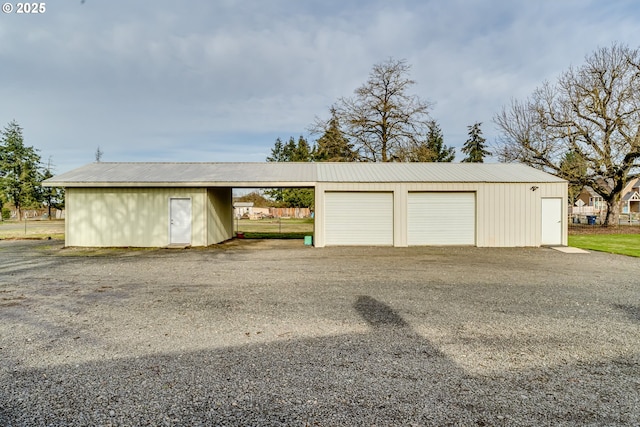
pixel 220 80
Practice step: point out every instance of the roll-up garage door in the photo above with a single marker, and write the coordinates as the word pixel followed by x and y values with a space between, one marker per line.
pixel 358 218
pixel 441 218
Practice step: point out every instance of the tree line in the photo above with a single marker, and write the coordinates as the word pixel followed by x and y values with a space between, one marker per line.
pixel 382 122
pixel 584 127
pixel 21 175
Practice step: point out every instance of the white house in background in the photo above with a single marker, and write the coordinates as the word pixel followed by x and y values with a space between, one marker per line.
pixel 242 208
pixel 391 204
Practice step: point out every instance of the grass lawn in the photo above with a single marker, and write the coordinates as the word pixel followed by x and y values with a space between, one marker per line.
pixel 623 244
pixel 273 228
pixel 32 229
pixel 275 235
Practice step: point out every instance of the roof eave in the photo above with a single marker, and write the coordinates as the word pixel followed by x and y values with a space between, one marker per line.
pixel 174 184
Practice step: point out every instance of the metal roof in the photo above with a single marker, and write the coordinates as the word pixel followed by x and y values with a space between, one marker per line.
pixel 431 172
pixel 187 174
pixel 289 174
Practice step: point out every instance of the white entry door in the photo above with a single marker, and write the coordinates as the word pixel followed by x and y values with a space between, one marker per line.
pixel 180 221
pixel 551 221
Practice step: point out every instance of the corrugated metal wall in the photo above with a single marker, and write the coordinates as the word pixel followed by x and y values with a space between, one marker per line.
pixel 507 215
pixel 136 217
pixel 219 215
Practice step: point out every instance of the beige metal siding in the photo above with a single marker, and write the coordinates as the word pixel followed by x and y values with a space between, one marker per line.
pixel 128 216
pixel 219 215
pixel 508 214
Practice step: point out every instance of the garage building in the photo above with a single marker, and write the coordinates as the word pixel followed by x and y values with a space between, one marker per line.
pixel 382 204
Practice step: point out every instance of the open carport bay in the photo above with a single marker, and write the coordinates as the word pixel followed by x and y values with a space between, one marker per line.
pixel 275 333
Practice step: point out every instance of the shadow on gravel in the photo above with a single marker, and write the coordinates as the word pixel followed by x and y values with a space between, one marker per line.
pixel 377 314
pixel 389 376
pixel 632 311
pixel 22 256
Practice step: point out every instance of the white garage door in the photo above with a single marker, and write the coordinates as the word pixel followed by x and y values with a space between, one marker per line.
pixel 354 218
pixel 441 219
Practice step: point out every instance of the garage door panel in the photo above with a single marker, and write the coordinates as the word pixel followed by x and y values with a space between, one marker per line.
pixel 441 218
pixel 358 218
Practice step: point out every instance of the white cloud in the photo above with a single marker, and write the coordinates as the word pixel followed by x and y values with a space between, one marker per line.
pixel 157 80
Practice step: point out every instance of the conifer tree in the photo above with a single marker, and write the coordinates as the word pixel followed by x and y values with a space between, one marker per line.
pixel 292 151
pixel 474 147
pixel 19 169
pixel 333 145
pixel 435 144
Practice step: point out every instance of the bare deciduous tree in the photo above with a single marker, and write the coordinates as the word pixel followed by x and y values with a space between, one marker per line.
pixel 383 121
pixel 593 112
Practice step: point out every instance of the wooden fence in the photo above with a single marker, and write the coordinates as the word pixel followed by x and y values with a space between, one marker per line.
pixel 290 212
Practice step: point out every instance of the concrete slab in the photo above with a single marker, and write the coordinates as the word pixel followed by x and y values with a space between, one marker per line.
pixel 569 250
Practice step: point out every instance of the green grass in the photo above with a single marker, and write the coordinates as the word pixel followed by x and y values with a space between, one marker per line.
pixel 273 235
pixel 623 244
pixel 276 226
pixel 32 229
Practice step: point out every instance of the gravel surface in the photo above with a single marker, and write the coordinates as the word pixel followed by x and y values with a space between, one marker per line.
pixel 275 333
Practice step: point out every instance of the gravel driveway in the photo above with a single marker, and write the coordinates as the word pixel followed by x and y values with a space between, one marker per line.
pixel 276 333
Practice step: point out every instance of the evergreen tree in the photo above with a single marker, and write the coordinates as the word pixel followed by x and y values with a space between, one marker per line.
pixel 300 152
pixel 573 168
pixel 474 147
pixel 52 197
pixel 99 154
pixel 277 152
pixel 433 149
pixel 19 176
pixel 298 197
pixel 333 146
pixel 292 151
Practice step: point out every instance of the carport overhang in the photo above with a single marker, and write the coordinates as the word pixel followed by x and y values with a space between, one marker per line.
pixel 179 184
